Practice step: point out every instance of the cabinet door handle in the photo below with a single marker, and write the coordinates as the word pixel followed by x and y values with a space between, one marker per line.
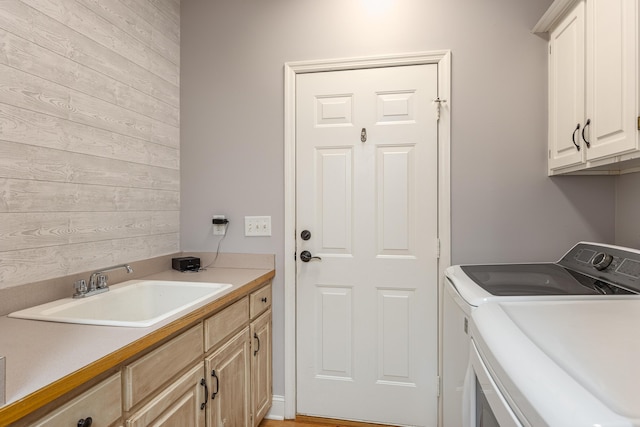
pixel 255 335
pixel 85 422
pixel 588 144
pixel 573 137
pixel 206 393
pixel 264 299
pixel 214 375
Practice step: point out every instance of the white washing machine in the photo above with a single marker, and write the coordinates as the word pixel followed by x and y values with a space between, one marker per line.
pixel 588 271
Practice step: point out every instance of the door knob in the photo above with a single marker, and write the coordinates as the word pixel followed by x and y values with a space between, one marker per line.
pixel 306 256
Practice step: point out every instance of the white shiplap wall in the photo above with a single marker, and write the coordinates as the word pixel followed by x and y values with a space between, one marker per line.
pixel 89 135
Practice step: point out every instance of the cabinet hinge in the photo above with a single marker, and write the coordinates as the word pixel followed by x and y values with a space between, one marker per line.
pixel 438 385
pixel 438 248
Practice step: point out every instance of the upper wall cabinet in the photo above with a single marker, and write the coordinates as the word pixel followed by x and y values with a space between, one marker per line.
pixel 567 90
pixel 593 86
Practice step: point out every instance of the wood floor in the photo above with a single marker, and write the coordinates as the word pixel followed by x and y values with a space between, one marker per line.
pixel 303 421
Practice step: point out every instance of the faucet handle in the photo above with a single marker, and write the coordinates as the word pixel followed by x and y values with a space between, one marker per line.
pixel 102 281
pixel 81 288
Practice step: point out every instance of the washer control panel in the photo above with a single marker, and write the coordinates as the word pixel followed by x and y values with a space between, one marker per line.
pixel 601 261
pixel 613 264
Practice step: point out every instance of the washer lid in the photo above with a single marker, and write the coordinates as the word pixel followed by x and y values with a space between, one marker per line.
pixel 530 280
pixel 569 363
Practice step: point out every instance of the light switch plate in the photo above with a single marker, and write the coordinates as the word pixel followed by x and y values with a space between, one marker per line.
pixel 257 226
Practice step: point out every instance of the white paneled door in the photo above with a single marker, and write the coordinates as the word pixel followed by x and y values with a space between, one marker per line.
pixel 367 194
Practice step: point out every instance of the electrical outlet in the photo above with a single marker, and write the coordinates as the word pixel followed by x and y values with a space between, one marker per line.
pixel 219 229
pixel 257 226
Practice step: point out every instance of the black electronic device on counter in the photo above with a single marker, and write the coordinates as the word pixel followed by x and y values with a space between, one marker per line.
pixel 186 263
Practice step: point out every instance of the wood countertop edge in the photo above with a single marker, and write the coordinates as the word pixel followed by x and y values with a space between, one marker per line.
pixel 14 411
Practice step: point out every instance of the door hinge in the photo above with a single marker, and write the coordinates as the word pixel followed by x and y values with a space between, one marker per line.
pixel 638 122
pixel 438 103
pixel 438 386
pixel 438 248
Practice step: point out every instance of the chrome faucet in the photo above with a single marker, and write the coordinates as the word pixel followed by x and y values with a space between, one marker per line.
pixel 97 282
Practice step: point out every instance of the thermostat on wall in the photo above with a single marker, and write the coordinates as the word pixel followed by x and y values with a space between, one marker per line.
pixel 187 263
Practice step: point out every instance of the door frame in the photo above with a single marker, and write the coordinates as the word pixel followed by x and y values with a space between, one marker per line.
pixel 291 69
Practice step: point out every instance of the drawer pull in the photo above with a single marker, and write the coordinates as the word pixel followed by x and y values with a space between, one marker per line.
pixel 264 299
pixel 255 335
pixel 85 422
pixel 206 393
pixel 214 375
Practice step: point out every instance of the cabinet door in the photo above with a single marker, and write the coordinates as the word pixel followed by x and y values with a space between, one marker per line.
pixel 182 403
pixel 228 374
pixel 567 89
pixel 261 373
pixel 611 77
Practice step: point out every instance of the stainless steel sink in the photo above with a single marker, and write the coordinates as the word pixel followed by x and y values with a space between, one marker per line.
pixel 135 303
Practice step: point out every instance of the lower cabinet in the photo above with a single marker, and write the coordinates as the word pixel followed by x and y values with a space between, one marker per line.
pixel 99 406
pixel 261 371
pixel 182 403
pixel 228 370
pixel 145 376
pixel 239 369
pixel 215 374
pixel 230 384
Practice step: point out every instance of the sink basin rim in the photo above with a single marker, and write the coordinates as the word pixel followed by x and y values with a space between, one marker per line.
pixel 55 311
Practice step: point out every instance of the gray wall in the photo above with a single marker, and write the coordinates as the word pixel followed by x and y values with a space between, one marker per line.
pixel 628 210
pixel 232 55
pixel 89 135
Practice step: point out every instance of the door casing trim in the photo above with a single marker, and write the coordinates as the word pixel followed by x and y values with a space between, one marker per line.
pixel 291 69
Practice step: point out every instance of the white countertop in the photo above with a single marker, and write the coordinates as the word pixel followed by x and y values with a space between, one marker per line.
pixel 39 353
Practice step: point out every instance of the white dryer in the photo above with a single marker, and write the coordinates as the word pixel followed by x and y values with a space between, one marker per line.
pixel 588 271
pixel 556 363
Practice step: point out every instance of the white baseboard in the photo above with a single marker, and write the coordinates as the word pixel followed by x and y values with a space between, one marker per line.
pixel 277 409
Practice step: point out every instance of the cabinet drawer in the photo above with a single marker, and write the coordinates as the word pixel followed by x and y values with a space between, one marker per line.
pixel 103 403
pixel 148 373
pixel 180 404
pixel 224 323
pixel 259 301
